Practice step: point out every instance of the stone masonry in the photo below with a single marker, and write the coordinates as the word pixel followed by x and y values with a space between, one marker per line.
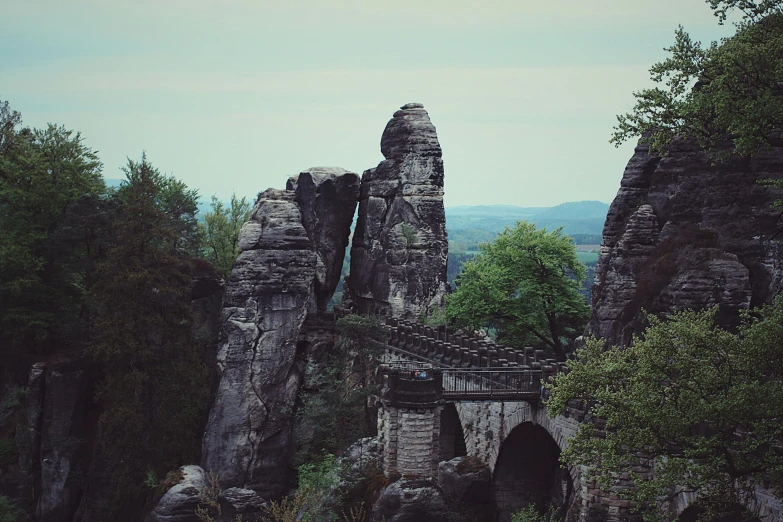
pixel 487 425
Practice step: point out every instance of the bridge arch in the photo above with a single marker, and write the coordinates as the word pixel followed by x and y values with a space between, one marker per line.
pixel 452 436
pixel 527 472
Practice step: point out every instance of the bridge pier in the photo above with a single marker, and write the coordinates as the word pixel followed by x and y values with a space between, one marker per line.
pixel 409 422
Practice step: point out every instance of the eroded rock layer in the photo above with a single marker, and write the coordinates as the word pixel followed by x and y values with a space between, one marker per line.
pixel 683 233
pixel 247 437
pixel 400 248
pixel 327 198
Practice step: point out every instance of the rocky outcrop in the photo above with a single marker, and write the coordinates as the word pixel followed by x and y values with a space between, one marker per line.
pixel 247 436
pixel 62 443
pixel 400 248
pixel 466 480
pixel 327 198
pixel 684 233
pixel 410 500
pixel 179 503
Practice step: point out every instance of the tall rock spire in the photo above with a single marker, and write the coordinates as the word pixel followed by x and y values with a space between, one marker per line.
pixel 400 248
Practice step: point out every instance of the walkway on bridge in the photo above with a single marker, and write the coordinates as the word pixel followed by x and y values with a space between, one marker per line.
pixel 408 382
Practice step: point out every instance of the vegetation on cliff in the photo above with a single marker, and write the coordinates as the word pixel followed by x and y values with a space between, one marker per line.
pixel 102 277
pixel 731 89
pixel 220 231
pixel 524 286
pixel 700 405
pixel 334 410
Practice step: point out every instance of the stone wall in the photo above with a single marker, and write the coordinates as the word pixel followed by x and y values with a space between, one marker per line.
pixel 412 435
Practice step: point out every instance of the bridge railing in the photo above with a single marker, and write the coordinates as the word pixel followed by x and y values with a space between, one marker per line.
pixel 443 346
pixel 491 383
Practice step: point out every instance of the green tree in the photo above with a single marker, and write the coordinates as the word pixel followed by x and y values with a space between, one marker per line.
pixel 699 405
pixel 155 387
pixel 525 286
pixel 729 90
pixel 50 189
pixel 333 413
pixel 220 231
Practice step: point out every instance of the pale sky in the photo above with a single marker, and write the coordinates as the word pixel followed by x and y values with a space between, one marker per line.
pixel 240 94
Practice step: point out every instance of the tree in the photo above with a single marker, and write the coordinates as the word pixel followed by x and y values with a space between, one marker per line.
pixel 50 189
pixel 525 286
pixel 729 90
pixel 155 387
pixel 333 413
pixel 700 406
pixel 221 232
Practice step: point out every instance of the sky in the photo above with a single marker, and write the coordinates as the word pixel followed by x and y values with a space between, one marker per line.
pixel 237 95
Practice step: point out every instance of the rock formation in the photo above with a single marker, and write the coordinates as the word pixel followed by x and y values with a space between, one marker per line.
pixel 683 233
pixel 179 503
pixel 291 252
pixel 327 200
pixel 410 500
pixel 400 248
pixel 247 436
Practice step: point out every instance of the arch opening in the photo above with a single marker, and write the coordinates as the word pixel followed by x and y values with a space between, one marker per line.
pixel 528 472
pixel 452 438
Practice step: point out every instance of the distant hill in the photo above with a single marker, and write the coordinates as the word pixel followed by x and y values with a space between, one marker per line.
pixel 576 210
pixel 469 225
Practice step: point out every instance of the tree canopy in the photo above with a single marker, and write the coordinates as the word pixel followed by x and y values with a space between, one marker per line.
pixel 50 189
pixel 732 89
pixel 701 406
pixel 525 287
pixel 155 386
pixel 220 231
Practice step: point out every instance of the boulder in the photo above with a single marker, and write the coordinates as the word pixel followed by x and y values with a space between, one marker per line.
pixel 243 500
pixel 684 233
pixel 327 198
pixel 465 480
pixel 400 248
pixel 179 503
pixel 410 500
pixel 247 441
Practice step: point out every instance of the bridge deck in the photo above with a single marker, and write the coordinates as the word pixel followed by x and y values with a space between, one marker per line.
pixel 477 384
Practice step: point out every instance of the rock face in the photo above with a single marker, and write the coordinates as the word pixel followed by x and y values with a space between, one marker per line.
pixel 327 198
pixel 683 233
pixel 410 500
pixel 179 503
pixel 247 436
pixel 466 480
pixel 400 248
pixel 62 434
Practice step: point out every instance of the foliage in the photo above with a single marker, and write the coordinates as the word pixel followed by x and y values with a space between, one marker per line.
pixel 220 230
pixel 310 501
pixel 8 511
pixel 333 413
pixel 531 514
pixel 525 285
pixel 699 405
pixel 730 89
pixel 50 185
pixel 155 386
pixel 209 500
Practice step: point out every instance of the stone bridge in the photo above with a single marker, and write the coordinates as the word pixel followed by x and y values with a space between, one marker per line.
pixel 513 435
pixel 424 421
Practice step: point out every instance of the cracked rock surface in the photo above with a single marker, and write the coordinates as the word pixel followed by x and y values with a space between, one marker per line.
pixel 327 198
pixel 247 436
pixel 400 248
pixel 683 233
